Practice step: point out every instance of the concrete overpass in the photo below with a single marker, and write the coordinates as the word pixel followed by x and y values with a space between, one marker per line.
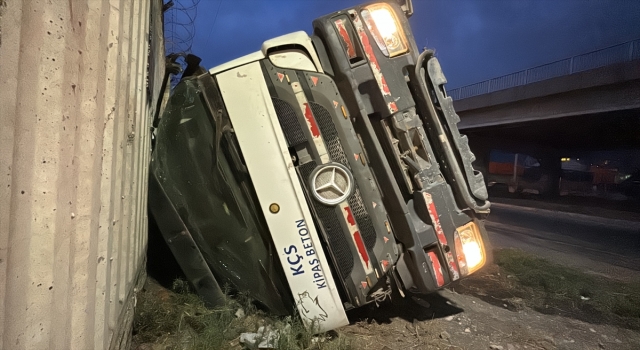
pixel 584 103
pixel 607 80
pixel 605 89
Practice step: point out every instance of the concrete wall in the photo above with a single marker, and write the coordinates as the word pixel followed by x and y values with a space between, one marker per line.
pixel 74 138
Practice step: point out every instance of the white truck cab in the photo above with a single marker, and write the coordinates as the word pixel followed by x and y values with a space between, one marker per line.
pixel 304 174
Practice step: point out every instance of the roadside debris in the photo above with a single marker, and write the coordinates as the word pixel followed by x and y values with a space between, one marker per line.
pixel 264 338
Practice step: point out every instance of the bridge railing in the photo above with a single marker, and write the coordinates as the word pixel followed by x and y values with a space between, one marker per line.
pixel 624 52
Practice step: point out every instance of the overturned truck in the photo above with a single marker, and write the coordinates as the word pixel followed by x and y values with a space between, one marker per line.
pixel 321 173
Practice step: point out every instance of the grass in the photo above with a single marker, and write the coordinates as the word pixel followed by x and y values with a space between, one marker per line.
pixel 545 285
pixel 178 319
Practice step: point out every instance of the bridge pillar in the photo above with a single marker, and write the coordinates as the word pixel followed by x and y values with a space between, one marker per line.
pixel 482 151
pixel 483 156
pixel 551 166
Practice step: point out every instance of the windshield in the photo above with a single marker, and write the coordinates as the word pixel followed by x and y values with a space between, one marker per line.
pixel 193 163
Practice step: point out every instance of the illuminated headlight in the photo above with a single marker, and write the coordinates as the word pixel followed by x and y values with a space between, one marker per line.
pixel 469 248
pixel 387 32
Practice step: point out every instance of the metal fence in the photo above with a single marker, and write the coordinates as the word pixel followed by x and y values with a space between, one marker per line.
pixel 624 52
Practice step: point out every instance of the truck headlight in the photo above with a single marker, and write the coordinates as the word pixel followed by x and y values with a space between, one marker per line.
pixel 468 238
pixel 387 32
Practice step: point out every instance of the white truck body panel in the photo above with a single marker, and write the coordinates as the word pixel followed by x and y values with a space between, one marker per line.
pixel 300 39
pixel 293 59
pixel 252 57
pixel 274 177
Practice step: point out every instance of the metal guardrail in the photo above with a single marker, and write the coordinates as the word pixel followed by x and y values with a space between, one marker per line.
pixel 624 52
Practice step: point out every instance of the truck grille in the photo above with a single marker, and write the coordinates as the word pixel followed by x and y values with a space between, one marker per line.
pixel 329 221
pixel 288 122
pixel 334 147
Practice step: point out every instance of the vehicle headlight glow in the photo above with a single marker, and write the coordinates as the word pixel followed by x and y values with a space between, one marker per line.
pixel 472 246
pixel 387 32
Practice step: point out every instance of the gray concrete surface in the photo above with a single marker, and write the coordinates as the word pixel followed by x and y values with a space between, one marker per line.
pixel 599 245
pixel 76 100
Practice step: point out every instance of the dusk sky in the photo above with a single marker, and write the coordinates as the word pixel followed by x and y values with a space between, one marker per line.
pixel 474 39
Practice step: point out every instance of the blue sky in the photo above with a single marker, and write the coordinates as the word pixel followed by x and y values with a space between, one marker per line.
pixel 474 39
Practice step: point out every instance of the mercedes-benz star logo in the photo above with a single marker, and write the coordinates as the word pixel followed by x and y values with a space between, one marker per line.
pixel 331 183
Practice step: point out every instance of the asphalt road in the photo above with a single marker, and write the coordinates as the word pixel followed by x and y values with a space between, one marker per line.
pixel 603 246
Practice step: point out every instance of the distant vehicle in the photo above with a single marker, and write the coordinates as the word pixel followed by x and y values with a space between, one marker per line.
pixel 320 173
pixel 515 173
pixel 631 186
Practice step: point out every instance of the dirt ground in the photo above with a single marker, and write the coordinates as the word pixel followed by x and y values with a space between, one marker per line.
pixel 482 312
pixel 459 318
